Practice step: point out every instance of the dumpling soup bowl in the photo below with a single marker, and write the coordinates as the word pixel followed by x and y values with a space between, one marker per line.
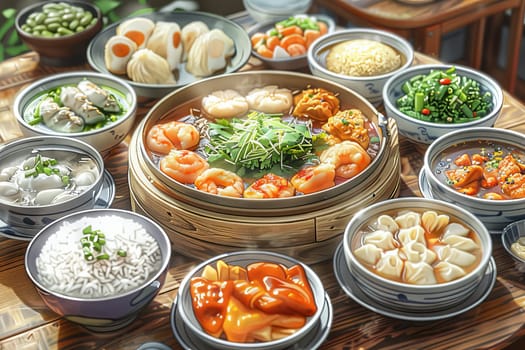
pixel 35 193
pixel 108 123
pixel 431 274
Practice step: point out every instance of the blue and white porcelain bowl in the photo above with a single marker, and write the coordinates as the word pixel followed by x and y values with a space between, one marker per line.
pixel 370 87
pixel 420 131
pixel 415 297
pixel 495 214
pixel 30 219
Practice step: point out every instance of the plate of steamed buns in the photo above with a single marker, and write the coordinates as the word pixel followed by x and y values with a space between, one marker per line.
pixel 160 52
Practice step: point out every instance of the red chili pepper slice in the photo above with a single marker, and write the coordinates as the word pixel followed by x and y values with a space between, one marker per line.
pixel 445 81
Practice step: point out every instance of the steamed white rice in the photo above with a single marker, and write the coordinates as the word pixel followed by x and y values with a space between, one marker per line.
pixel 362 57
pixel 61 265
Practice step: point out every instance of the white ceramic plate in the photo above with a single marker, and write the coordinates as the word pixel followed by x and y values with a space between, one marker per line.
pixel 349 286
pixel 311 341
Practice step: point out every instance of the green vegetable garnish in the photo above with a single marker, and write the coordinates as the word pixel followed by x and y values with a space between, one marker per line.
pixel 444 97
pixel 93 243
pixel 259 142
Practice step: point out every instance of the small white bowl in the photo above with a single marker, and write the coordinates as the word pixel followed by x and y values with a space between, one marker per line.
pixel 244 258
pixel 264 11
pixel 426 132
pixel 28 220
pixel 107 313
pixel 104 138
pixel 495 214
pixel 370 87
pixel 511 233
pixel 412 297
pixel 287 63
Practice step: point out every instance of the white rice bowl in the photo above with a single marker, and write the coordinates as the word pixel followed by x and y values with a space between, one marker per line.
pixel 63 268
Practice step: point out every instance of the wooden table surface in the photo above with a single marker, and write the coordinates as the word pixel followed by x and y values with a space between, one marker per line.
pixel 26 323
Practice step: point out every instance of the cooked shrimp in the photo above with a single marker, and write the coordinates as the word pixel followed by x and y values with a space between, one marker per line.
pixel 225 104
pixel 348 158
pixel 314 178
pixel 270 186
pixel 183 165
pixel 162 138
pixel 221 182
pixel 270 99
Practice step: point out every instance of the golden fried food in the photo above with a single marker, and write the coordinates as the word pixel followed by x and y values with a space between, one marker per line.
pixel 348 125
pixel 318 104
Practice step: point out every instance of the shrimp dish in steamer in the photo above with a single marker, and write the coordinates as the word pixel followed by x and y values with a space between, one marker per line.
pixel 184 146
pixel 327 153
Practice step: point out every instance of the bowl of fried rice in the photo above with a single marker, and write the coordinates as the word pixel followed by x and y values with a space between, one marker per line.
pixel 360 58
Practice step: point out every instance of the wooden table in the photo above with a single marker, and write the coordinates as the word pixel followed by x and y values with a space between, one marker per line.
pixel 426 24
pixel 26 323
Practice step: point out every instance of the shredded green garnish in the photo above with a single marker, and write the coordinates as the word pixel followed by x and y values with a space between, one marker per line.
pixel 259 142
pixel 93 242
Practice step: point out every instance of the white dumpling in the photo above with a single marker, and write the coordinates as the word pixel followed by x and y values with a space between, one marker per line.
pixel 381 239
pixel 75 99
pixel 46 197
pixel 86 178
pixel 433 222
pixel 189 33
pixel 417 252
pixel 225 104
pixel 61 119
pixel 137 29
pixel 419 273
pixel 99 96
pixel 460 242
pixel 8 191
pixel 448 271
pixel 390 264
pixel 147 67
pixel 117 53
pixel 210 53
pixel 455 229
pixel 456 256
pixel 408 219
pixel 270 99
pixel 7 172
pixel 386 222
pixel 368 253
pixel 412 234
pixel 166 42
pixel 43 182
pixel 64 196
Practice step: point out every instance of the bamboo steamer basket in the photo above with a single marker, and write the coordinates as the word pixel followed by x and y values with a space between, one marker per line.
pixel 308 227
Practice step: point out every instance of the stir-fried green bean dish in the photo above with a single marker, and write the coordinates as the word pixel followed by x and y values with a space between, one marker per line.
pixel 444 96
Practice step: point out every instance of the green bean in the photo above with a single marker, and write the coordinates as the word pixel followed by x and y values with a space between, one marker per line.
pixel 444 97
pixel 58 19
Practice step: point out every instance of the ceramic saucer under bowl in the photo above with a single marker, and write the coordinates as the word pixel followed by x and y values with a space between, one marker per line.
pixel 350 287
pixel 104 200
pixel 311 341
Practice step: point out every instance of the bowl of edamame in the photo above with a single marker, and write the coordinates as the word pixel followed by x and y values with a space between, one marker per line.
pixel 59 31
pixel 428 101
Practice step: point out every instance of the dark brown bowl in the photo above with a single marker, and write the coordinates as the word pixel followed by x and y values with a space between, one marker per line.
pixel 60 51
